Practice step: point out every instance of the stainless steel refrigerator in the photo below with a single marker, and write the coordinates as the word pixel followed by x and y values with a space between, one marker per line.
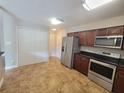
pixel 70 45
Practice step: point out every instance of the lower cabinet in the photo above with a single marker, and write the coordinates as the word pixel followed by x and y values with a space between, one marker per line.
pixel 119 81
pixel 81 63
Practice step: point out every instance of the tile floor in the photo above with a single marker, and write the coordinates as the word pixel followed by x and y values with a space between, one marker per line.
pixel 48 77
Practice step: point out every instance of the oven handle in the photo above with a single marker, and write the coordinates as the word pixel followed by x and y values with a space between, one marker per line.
pixel 102 63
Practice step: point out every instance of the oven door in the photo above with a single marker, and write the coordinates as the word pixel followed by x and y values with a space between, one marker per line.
pixel 102 70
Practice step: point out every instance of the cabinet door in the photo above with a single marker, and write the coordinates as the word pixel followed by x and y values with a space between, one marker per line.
pixel 90 38
pixel 82 37
pixel 119 81
pixel 77 62
pixel 115 30
pixel 84 65
pixel 81 63
pixel 70 34
pixel 102 32
pixel 76 34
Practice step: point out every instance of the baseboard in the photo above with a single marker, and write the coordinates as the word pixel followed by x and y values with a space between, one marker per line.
pixel 11 67
pixel 54 57
pixel 1 82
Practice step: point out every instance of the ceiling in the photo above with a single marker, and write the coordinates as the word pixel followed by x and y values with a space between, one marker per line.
pixel 71 11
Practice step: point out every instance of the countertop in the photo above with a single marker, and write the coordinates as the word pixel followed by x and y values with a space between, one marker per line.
pixel 117 62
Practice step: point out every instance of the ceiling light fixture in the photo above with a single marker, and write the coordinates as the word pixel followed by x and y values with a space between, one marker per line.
pixel 56 21
pixel 53 29
pixel 92 4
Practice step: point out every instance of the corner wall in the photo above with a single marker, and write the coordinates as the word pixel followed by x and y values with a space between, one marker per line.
pixel 55 42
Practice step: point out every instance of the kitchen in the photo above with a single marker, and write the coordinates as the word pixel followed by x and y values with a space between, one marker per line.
pixel 79 51
pixel 95 59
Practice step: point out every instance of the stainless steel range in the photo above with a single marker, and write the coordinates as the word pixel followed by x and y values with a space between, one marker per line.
pixel 102 71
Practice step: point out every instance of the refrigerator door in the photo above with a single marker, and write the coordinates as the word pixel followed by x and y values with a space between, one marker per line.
pixel 2 69
pixel 63 50
pixel 67 53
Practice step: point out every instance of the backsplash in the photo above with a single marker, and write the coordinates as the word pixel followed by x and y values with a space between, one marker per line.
pixel 97 49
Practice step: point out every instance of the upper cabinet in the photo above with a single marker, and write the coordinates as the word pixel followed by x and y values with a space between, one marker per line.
pixel 118 30
pixel 82 37
pixel 76 34
pixel 70 34
pixel 90 37
pixel 87 38
pixel 115 30
pixel 102 32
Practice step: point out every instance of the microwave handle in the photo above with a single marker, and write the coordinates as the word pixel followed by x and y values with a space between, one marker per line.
pixel 115 41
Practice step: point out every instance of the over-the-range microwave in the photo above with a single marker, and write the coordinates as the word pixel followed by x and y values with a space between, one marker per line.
pixel 109 41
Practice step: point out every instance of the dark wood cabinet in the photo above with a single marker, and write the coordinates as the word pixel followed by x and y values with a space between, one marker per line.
pixel 119 81
pixel 77 63
pixel 70 34
pixel 102 32
pixel 76 34
pixel 87 38
pixel 82 37
pixel 81 63
pixel 115 30
pixel 90 38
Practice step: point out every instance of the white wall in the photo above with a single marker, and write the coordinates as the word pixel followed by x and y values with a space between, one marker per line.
pixel 55 42
pixel 52 43
pixel 23 45
pixel 9 46
pixel 115 21
pixel 33 45
pixel 59 35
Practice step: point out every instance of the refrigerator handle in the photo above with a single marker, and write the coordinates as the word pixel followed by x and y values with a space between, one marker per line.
pixel 62 48
pixel 65 49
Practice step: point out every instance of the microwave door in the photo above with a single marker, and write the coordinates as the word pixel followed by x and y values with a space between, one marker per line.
pixel 109 41
pixel 115 41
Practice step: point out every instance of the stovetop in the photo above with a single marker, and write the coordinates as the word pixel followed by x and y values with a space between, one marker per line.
pixel 103 58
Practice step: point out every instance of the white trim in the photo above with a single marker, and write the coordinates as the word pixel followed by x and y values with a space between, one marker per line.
pixel 11 67
pixel 1 82
pixel 17 47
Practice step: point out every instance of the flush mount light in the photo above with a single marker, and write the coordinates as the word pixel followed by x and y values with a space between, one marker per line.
pixel 91 4
pixel 53 29
pixel 56 21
